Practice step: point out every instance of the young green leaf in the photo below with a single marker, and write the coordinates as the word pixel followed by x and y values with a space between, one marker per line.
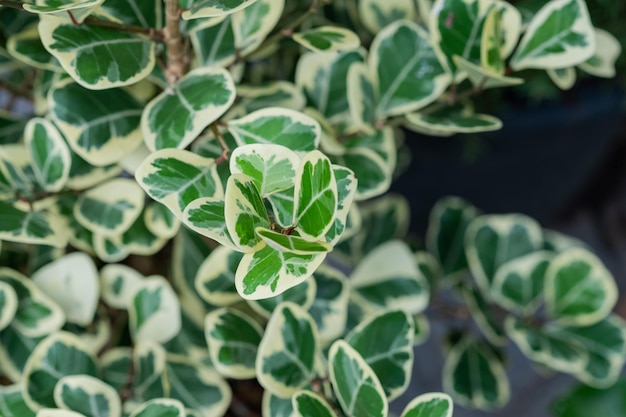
pixel 405 85
pixel 492 240
pixel 272 167
pixel 286 356
pixel 176 177
pixel 278 126
pixel 96 57
pixel 177 116
pixel 491 42
pixel 389 278
pixel 560 35
pixel 290 243
pixel 328 39
pixel 579 290
pixel 59 355
pixel 244 212
pixel 355 384
pixel 110 208
pixel 72 282
pixel 233 338
pixel 88 396
pixel 214 8
pixel 385 342
pixel 433 404
pixel 475 375
pixel 100 126
pixel 154 313
pixel 310 404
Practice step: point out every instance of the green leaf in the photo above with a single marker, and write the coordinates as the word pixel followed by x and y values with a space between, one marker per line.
pixel 109 248
pixel 447 224
pixel 433 404
pixel 492 240
pixel 110 208
pixel 475 375
pixel 286 356
pixel 11 127
pixel 80 9
pixel 450 120
pixel 385 341
pixel 605 343
pixel 88 396
pixel 519 284
pixel 233 338
pixel 8 304
pixel 272 167
pixel 56 412
pixel 564 78
pixel 61 354
pixel 12 402
pixel 483 314
pixel 273 94
pixel 160 220
pixel 139 240
pixel 346 192
pixel 602 63
pixel 72 282
pixel 100 126
pixel 310 404
pixel 26 47
pixel 583 401
pixel 177 116
pixel 244 212
pixel 36 314
pixel 282 204
pixel 199 388
pixel 374 174
pixel 49 154
pixel 327 39
pixel 388 278
pixel 548 346
pixel 214 8
pixel 362 97
pixel 559 35
pixel 355 384
pixel 268 272
pixel 15 349
pixel 323 78
pixel 160 407
pixel 149 368
pixel 330 306
pixel 252 24
pixel 278 126
pixel 95 57
pixel 135 12
pixel 491 42
pixel 315 196
pixel 116 365
pixel 484 78
pixel 176 177
pixel 214 42
pixel 405 85
pixel 34 227
pixel 376 14
pixel 154 313
pixel 302 295
pixel 215 280
pixel 290 243
pixel 274 406
pixel 579 290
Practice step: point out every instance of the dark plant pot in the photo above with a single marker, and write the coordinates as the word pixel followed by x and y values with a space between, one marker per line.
pixel 534 165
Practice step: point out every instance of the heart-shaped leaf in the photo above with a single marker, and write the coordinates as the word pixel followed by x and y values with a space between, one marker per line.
pixel 559 35
pixel 355 384
pixel 72 282
pixel 87 395
pixel 177 116
pixel 286 356
pixel 233 338
pixel 579 290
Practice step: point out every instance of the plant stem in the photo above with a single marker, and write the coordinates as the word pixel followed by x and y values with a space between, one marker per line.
pixel 220 139
pixel 12 4
pixel 176 66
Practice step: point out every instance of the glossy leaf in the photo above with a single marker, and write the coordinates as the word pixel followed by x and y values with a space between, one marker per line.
pixel 72 282
pixel 154 313
pixel 579 290
pixel 80 9
pixel 355 384
pixel 328 39
pixel 100 126
pixel 49 154
pixel 175 178
pixel 429 405
pixel 233 338
pixel 385 342
pixel 214 42
pixel 57 356
pixel 292 244
pixel 177 116
pixel 215 279
pixel 12 402
pixel 206 216
pixel 286 356
pixel 377 14
pixel 310 404
pixel 583 401
pixel 26 47
pixel 88 396
pixel 560 35
pixel 160 407
pixel 475 375
pixel 405 85
pixel 252 24
pixel 97 58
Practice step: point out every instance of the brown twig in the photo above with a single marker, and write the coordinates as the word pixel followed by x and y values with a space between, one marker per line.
pixel 220 139
pixel 176 66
